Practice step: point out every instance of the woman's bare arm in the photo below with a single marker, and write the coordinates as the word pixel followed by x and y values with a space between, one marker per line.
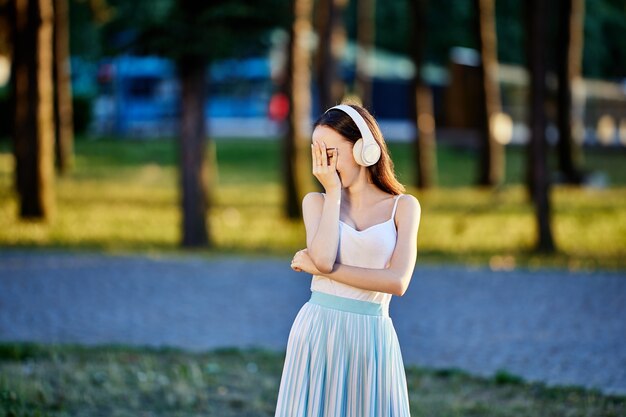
pixel 321 221
pixel 321 215
pixel 396 278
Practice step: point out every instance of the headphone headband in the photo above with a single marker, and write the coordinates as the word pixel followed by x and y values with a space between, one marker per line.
pixel 366 133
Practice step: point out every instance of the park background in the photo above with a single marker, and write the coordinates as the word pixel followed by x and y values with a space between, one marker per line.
pixel 166 129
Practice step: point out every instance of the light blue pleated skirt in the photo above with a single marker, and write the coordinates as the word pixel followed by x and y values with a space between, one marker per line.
pixel 343 360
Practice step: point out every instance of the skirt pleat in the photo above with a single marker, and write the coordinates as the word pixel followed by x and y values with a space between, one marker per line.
pixel 342 364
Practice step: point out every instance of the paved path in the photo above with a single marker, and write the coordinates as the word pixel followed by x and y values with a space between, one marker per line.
pixel 549 325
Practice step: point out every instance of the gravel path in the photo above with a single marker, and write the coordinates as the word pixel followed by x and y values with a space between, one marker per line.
pixel 547 325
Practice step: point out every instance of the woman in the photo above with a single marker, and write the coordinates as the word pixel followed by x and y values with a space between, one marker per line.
pixel 343 357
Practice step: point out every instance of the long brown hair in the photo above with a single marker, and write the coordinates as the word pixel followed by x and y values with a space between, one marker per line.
pixel 382 172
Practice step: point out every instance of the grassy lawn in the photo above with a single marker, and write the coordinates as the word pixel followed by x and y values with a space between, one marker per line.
pixel 123 196
pixel 37 380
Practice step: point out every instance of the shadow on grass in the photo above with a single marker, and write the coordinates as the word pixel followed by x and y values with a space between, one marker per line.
pixel 55 380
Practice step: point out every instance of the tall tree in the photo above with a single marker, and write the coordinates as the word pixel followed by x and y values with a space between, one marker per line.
pixel 31 84
pixel 538 174
pixel 296 149
pixel 64 127
pixel 332 40
pixel 492 152
pixel 366 35
pixel 422 112
pixel 569 60
pixel 5 27
pixel 192 151
pixel 194 34
pixel 191 65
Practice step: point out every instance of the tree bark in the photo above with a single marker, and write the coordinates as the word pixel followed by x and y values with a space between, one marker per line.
pixel 492 152
pixel 569 117
pixel 296 146
pixel 64 129
pixel 366 35
pixel 33 129
pixel 332 39
pixel 538 174
pixel 193 167
pixel 423 114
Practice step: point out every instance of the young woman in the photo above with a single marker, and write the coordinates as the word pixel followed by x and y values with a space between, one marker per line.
pixel 343 356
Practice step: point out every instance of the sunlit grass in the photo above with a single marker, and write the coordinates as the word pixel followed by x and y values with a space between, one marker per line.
pixel 123 196
pixel 589 226
pixel 123 381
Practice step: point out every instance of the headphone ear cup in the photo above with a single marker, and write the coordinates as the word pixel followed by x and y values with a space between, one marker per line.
pixel 368 156
pixel 371 154
pixel 356 152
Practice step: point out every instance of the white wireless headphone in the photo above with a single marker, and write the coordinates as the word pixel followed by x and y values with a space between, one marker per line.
pixel 366 151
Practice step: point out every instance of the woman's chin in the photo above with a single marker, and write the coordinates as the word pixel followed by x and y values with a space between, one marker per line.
pixel 345 183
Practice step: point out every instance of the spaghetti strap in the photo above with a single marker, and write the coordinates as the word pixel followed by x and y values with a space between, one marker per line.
pixel 395 205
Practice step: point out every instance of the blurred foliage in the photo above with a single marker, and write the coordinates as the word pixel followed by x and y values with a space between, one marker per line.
pixel 209 30
pixel 450 24
pixel 123 196
pixel 604 53
pixel 228 26
pixel 122 380
pixel 85 31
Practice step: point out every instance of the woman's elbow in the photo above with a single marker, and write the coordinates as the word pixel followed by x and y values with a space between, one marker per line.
pixel 325 266
pixel 399 287
pixel 399 292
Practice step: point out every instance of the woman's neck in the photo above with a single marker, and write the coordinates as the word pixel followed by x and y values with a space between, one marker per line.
pixel 360 194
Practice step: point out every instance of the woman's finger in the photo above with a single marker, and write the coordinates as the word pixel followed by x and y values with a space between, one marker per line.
pixel 295 264
pixel 333 158
pixel 319 154
pixel 313 156
pixel 314 153
pixel 324 156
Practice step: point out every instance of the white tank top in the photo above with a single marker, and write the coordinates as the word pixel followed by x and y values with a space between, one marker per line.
pixel 368 248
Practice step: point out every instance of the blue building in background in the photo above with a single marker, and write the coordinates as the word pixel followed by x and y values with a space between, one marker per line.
pixel 139 96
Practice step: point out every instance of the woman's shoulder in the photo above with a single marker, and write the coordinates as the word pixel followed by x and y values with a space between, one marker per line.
pixel 313 199
pixel 408 206
pixel 312 205
pixel 407 197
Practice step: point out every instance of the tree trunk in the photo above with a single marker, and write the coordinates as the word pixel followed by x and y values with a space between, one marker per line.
pixel 538 174
pixel 569 117
pixel 366 35
pixel 296 147
pixel 492 151
pixel 33 133
pixel 423 115
pixel 64 129
pixel 332 39
pixel 426 145
pixel 193 168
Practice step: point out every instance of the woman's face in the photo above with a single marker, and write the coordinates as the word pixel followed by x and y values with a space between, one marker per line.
pixel 347 168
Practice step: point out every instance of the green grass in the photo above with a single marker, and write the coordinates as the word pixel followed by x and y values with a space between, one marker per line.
pixel 57 380
pixel 122 196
